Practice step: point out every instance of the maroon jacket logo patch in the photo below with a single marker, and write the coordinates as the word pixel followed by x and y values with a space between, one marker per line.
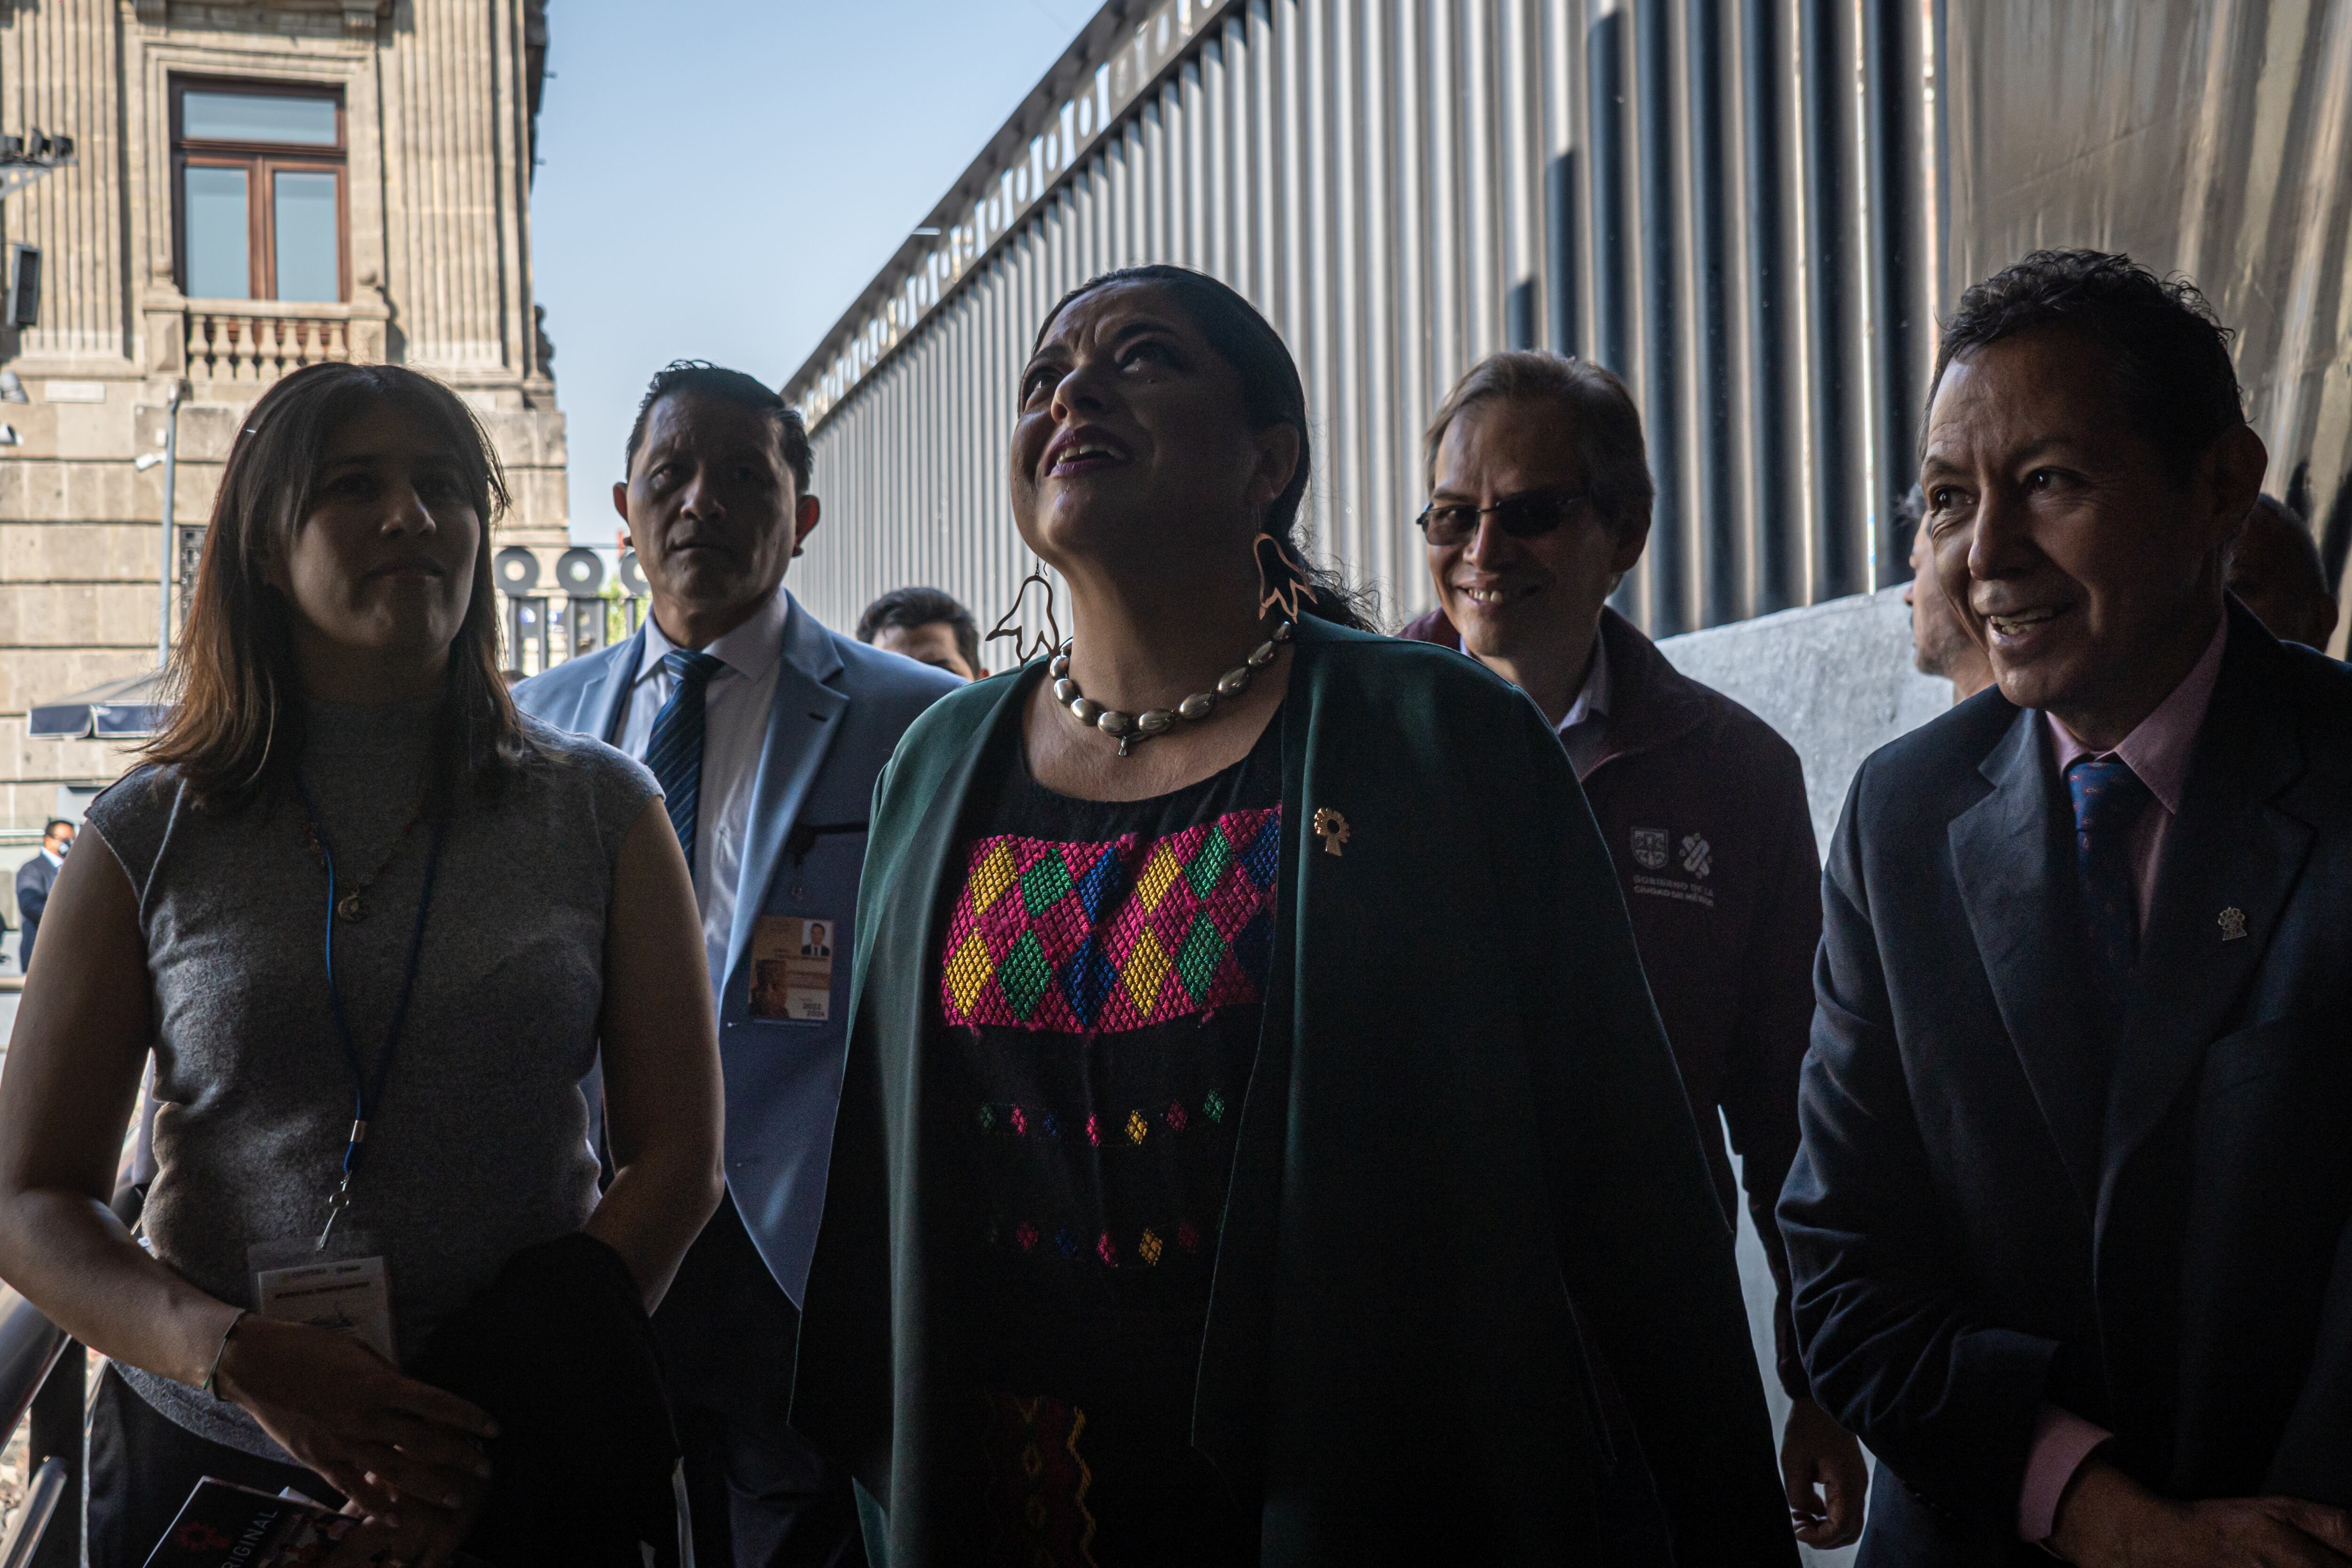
pixel 1697 858
pixel 1650 847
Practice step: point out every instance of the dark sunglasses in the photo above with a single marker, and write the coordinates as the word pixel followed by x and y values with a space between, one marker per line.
pixel 1520 517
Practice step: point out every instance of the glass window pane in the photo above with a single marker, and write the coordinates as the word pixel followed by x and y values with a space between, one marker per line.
pixel 309 251
pixel 220 235
pixel 257 117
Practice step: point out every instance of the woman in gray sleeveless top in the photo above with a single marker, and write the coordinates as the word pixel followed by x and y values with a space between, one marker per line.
pixel 376 928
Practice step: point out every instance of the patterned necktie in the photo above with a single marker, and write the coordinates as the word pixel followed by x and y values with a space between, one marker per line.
pixel 2109 799
pixel 674 752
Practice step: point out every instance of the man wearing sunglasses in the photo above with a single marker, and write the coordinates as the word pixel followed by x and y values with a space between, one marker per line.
pixel 1539 503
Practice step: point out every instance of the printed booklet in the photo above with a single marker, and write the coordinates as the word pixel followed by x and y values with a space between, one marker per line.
pixel 223 1525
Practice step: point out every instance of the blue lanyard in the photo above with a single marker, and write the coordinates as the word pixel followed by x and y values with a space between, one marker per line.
pixel 366 1096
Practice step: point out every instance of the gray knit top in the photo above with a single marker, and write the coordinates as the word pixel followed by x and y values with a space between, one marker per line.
pixel 479 1144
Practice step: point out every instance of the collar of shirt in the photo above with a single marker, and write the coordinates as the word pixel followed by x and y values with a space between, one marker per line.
pixel 1592 698
pixel 54 858
pixel 749 650
pixel 1592 704
pixel 2158 750
pixel 1584 727
pixel 737 704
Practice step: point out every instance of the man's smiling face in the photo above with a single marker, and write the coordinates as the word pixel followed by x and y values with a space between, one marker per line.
pixel 2080 555
pixel 1506 596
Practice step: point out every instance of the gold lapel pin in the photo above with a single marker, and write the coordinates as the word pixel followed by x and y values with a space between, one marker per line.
pixel 1331 828
pixel 2233 922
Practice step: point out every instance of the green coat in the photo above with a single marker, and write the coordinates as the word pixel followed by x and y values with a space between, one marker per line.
pixel 1463 1112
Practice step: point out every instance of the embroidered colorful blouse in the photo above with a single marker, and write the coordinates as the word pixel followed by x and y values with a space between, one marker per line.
pixel 1099 999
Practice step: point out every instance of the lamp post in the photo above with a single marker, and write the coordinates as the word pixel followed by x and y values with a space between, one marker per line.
pixel 171 461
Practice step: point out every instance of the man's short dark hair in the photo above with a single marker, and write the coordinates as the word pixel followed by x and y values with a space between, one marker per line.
pixel 50 831
pixel 703 379
pixel 907 608
pixel 1608 427
pixel 2173 370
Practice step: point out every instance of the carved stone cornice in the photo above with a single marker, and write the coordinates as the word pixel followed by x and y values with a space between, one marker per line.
pixel 359 16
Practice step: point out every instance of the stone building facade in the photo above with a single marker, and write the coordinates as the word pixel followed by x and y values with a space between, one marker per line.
pixel 256 186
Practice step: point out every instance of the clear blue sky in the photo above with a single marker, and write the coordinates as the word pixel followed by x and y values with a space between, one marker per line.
pixel 722 176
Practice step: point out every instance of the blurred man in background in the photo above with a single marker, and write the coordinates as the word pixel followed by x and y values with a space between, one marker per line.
pixel 34 879
pixel 928 626
pixel 1940 646
pixel 2276 570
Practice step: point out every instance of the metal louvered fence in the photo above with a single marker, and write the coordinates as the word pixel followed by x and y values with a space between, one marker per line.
pixel 1752 209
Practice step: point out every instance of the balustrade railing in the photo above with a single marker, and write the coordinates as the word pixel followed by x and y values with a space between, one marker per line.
pixel 254 342
pixel 258 350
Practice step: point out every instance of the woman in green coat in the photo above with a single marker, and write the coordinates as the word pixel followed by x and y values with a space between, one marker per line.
pixel 1249 1060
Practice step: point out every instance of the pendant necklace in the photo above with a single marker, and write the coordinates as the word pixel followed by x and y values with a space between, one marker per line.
pixel 1133 729
pixel 352 906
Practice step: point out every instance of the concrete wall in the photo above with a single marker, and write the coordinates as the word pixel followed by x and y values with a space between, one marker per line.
pixel 1835 678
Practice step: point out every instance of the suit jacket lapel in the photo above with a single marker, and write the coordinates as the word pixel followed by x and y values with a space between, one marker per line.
pixel 802 719
pixel 604 700
pixel 2231 861
pixel 872 1324
pixel 2010 851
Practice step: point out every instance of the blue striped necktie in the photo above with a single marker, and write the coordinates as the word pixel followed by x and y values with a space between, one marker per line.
pixel 674 752
pixel 2109 799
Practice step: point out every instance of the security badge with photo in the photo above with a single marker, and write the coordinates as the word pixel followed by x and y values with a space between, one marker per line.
pixel 791 969
pixel 1688 862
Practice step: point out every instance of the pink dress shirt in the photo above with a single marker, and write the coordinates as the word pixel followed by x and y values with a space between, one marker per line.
pixel 2158 751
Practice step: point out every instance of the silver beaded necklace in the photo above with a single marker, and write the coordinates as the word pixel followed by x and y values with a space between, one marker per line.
pixel 1129 729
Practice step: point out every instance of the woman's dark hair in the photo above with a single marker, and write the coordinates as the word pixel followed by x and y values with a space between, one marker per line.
pixel 1272 395
pixel 2170 355
pixel 236 727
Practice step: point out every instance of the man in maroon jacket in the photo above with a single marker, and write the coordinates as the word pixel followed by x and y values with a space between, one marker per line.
pixel 1540 503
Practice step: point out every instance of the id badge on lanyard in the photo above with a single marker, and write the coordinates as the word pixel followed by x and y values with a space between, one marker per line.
pixel 339 1280
pixel 345 1286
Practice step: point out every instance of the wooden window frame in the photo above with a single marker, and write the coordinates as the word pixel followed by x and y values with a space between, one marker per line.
pixel 263 162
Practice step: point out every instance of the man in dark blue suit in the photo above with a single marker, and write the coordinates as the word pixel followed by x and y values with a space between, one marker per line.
pixel 2072 1223
pixel 766 731
pixel 34 879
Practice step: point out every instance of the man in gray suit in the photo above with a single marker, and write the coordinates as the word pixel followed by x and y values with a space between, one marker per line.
pixel 767 732
pixel 34 879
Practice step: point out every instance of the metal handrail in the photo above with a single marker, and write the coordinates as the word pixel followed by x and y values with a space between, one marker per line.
pixel 29 1347
pixel 41 1500
pixel 33 1352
